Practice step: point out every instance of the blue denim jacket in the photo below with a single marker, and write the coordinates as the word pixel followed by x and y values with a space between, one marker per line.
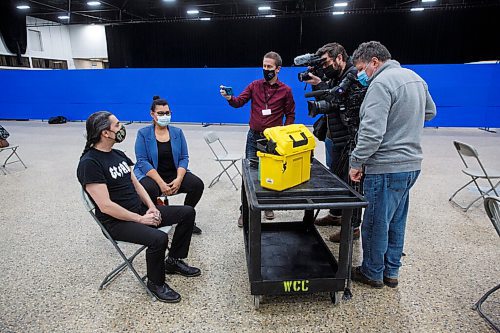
pixel 146 150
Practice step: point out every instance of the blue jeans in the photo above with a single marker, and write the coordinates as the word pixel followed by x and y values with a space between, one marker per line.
pixel 328 152
pixel 384 222
pixel 251 146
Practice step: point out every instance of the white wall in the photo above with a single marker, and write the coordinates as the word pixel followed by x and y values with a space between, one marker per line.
pixel 64 42
pixel 88 64
pixel 88 41
pixel 3 48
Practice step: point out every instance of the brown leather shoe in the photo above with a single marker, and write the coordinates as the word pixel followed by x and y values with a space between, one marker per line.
pixel 240 221
pixel 389 282
pixel 358 276
pixel 328 220
pixel 335 237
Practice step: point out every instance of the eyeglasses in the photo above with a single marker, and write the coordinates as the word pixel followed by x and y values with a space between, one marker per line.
pixel 164 113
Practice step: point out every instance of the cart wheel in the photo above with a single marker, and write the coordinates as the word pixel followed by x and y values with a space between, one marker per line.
pixel 256 301
pixel 336 297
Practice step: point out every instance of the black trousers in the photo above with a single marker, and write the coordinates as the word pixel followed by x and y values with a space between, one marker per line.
pixel 191 185
pixel 342 170
pixel 336 154
pixel 156 240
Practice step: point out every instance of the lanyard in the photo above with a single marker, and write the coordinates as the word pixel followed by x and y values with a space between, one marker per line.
pixel 266 100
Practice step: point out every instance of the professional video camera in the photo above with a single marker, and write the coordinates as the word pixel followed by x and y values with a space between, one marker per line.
pixel 310 60
pixel 330 99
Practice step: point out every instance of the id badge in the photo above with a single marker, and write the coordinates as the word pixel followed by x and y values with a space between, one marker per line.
pixel 266 112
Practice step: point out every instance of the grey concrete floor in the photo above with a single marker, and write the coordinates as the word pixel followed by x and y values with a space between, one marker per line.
pixel 53 257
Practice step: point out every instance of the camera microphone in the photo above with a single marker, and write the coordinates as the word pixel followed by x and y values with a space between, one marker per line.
pixel 303 60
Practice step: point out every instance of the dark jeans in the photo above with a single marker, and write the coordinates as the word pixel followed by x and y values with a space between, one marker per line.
pixel 191 185
pixel 251 146
pixel 251 149
pixel 156 240
pixel 335 155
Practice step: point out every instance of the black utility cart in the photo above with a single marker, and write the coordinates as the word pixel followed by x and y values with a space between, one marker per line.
pixel 291 257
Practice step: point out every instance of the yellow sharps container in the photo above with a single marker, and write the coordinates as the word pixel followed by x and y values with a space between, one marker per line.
pixel 290 163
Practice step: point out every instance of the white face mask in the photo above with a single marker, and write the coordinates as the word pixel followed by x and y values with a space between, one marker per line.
pixel 163 120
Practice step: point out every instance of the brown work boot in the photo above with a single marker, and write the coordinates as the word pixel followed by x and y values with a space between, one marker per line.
pixel 390 282
pixel 335 237
pixel 329 219
pixel 269 214
pixel 240 221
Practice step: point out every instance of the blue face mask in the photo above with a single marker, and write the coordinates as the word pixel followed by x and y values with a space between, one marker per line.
pixel 363 78
pixel 163 121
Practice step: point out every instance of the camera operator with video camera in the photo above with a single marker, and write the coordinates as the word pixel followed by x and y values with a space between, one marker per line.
pixel 339 103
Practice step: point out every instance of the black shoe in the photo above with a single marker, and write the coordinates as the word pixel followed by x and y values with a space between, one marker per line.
pixel 164 293
pixel 357 275
pixel 177 266
pixel 196 230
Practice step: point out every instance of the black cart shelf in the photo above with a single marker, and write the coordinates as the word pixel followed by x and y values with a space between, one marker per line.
pixel 292 257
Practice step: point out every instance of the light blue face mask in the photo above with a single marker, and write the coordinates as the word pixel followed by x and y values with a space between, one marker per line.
pixel 363 78
pixel 163 121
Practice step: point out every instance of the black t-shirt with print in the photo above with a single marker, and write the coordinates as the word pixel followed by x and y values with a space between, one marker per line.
pixel 113 169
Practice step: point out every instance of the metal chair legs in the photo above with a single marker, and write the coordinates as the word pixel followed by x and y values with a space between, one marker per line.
pixel 217 178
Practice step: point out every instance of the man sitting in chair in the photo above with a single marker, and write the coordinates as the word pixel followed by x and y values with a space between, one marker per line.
pixel 126 210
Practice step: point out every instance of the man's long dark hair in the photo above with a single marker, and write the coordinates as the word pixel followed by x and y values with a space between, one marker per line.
pixel 96 123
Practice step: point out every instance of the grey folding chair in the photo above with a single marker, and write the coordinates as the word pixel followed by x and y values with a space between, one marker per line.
pixel 476 170
pixel 11 153
pixel 127 261
pixel 222 156
pixel 492 207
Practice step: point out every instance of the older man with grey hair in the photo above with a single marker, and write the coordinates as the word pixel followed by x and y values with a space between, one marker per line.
pixel 388 154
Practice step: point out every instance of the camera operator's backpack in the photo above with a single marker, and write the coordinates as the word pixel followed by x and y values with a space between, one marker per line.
pixel 3 137
pixel 57 120
pixel 320 128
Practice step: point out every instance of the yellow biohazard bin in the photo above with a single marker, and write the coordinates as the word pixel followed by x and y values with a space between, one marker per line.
pixel 290 163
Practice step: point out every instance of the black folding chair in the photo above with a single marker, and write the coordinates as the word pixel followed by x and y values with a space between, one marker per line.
pixel 222 156
pixel 476 170
pixel 492 207
pixel 127 261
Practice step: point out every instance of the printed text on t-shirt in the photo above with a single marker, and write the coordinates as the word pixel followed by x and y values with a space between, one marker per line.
pixel 120 170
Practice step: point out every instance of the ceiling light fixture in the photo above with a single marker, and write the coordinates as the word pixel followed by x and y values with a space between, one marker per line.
pixel 205 19
pixel 193 11
pixel 23 7
pixel 94 3
pixel 272 15
pixel 338 13
pixel 428 0
pixel 168 0
pixel 63 17
pixel 417 9
pixel 340 4
pixel 264 8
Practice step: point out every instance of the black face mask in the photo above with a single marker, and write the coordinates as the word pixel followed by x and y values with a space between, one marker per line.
pixel 269 74
pixel 120 134
pixel 331 72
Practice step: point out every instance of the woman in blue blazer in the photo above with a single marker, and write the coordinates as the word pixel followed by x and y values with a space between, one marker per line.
pixel 162 159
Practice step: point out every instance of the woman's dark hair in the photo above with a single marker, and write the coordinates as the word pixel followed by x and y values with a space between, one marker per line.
pixel 96 123
pixel 157 100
